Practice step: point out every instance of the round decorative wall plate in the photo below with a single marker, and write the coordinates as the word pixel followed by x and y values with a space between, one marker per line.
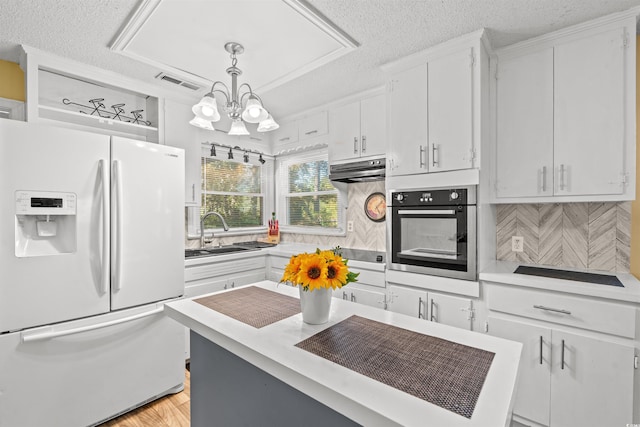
pixel 375 207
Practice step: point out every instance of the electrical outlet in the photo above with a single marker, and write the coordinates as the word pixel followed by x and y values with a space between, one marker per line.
pixel 517 243
pixel 349 225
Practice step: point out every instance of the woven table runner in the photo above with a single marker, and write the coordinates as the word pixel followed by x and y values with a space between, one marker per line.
pixel 441 372
pixel 254 306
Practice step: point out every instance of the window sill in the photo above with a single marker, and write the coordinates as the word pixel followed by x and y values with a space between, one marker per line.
pixel 219 232
pixel 314 231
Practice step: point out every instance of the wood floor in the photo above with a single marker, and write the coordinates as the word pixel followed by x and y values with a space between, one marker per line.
pixel 168 411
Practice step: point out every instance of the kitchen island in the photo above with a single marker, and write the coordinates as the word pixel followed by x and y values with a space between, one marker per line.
pixel 242 374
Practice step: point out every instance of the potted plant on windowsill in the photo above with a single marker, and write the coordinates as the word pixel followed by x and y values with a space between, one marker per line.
pixel 317 275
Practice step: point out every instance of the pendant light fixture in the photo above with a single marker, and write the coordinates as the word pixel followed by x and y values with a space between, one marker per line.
pixel 242 104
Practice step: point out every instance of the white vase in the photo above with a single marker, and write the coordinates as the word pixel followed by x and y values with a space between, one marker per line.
pixel 315 305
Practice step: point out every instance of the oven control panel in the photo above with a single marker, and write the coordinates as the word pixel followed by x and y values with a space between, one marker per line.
pixel 457 196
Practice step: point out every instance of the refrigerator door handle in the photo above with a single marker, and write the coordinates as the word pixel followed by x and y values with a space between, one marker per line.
pixel 49 334
pixel 105 226
pixel 116 255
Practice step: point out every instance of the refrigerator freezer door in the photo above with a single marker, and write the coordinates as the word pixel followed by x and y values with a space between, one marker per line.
pixel 147 221
pixel 52 277
pixel 89 372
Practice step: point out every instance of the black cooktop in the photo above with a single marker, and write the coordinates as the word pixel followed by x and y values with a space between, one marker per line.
pixel 600 279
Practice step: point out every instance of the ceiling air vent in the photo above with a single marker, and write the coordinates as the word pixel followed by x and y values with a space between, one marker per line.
pixel 176 81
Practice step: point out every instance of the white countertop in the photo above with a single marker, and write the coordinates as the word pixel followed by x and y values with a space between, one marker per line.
pixel 502 272
pixel 366 401
pixel 282 249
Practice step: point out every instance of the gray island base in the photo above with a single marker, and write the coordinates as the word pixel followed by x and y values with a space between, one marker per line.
pixel 229 391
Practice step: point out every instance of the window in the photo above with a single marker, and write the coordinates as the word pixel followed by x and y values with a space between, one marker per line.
pixel 237 190
pixel 307 198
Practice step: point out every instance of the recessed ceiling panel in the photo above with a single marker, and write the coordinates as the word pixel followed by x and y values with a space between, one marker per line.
pixel 283 39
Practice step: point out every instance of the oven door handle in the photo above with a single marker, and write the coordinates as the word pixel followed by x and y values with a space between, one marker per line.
pixel 427 212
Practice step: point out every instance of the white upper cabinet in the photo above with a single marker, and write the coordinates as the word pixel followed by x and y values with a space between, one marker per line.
pixel 565 122
pixel 450 111
pixel 313 125
pixel 407 140
pixel 589 95
pixel 287 133
pixel 358 129
pixel 434 108
pixel 524 133
pixel 179 133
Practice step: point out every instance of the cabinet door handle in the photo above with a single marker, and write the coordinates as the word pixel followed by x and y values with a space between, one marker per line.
pixel 562 356
pixel 193 192
pixel 355 145
pixel 311 132
pixel 344 295
pixel 432 317
pixel 353 297
pixel 555 310
pixel 422 161
pixel 541 349
pixel 544 179
pixel 434 149
pixel 364 143
pixel 225 286
pixel 562 169
pixel 284 139
pixel 233 284
pixel 420 316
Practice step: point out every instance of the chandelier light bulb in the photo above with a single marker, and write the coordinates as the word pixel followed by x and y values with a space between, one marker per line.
pixel 238 128
pixel 201 123
pixel 268 124
pixel 254 112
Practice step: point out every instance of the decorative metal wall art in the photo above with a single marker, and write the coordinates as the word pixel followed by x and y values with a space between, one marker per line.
pixel 98 108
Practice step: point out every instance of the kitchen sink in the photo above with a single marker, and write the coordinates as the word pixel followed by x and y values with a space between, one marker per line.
pixel 220 250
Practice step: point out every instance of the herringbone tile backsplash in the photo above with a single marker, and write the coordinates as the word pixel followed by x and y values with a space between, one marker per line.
pixel 593 236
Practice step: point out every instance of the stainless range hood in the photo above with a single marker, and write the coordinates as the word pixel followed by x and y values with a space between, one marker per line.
pixel 358 171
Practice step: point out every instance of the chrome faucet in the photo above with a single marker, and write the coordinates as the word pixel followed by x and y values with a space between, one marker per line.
pixel 205 216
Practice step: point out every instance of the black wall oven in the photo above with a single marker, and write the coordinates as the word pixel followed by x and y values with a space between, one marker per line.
pixel 434 232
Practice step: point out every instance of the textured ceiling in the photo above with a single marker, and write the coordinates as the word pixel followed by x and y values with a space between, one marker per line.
pixel 386 30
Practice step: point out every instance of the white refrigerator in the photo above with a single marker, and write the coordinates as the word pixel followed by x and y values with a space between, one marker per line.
pixel 91 246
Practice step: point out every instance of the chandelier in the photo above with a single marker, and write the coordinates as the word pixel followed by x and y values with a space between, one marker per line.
pixel 242 104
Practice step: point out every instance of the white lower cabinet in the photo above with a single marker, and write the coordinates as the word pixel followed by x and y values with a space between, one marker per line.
pixel 568 376
pixel 446 309
pixel 276 268
pixel 532 398
pixel 372 298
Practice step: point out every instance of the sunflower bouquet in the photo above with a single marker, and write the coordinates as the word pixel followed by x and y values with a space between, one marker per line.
pixel 318 270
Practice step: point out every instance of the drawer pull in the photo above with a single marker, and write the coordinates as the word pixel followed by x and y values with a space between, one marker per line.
pixel 311 132
pixel 555 310
pixel 541 349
